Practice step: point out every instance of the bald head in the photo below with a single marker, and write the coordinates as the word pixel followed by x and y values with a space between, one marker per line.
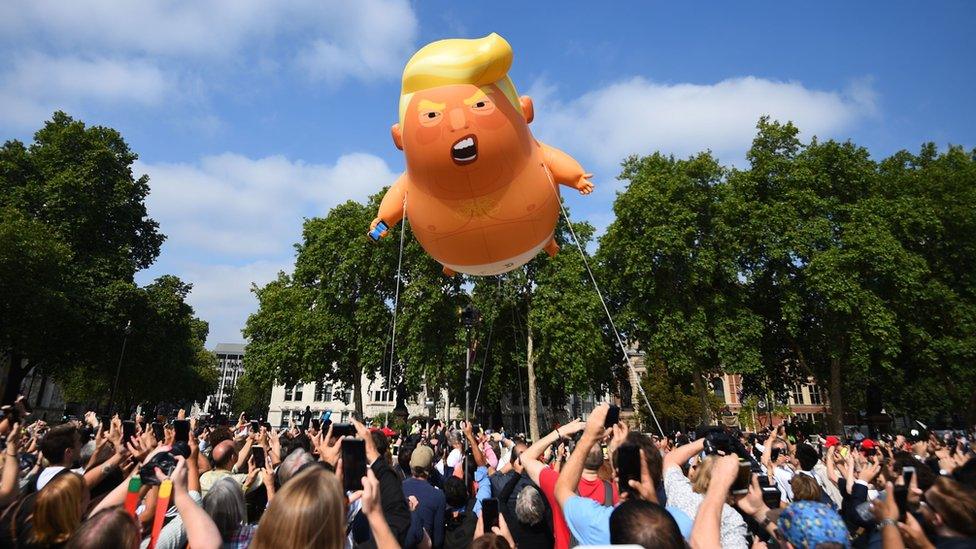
pixel 225 454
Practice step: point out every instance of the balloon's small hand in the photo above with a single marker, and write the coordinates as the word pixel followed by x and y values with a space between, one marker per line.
pixel 584 185
pixel 372 227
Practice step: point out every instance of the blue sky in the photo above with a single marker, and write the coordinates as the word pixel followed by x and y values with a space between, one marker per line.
pixel 249 115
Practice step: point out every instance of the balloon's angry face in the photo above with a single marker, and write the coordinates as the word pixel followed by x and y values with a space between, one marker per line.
pixel 462 128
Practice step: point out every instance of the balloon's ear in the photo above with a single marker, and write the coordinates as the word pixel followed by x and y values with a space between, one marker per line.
pixel 397 136
pixel 527 109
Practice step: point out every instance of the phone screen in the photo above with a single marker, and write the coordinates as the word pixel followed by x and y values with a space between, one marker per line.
pixel 613 416
pixel 489 513
pixel 353 464
pixel 106 423
pixel 771 496
pixel 774 454
pixel 128 430
pixel 743 478
pixel 181 427
pixel 257 452
pixel 343 430
pixel 907 473
pixel 255 426
pixel 379 230
pixel 901 498
pixel 628 466
pixel 157 429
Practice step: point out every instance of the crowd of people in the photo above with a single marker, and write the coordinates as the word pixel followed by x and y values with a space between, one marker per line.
pixel 97 482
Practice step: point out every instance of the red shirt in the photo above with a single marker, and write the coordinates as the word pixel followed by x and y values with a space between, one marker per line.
pixel 594 490
pixel 560 532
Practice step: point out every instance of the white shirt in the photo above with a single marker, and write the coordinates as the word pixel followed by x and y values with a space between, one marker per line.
pixel 49 473
pixel 454 458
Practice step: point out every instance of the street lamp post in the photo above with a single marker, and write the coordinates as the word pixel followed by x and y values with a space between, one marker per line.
pixel 470 317
pixel 118 370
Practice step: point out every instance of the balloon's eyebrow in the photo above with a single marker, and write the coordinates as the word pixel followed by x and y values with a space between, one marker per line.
pixel 478 96
pixel 426 105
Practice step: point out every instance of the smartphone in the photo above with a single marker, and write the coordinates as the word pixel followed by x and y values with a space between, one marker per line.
pixel 489 513
pixel 743 479
pixel 106 423
pixel 901 499
pixel 774 454
pixel 343 430
pixel 628 466
pixel 764 480
pixel 128 430
pixel 771 496
pixel 907 472
pixel 182 430
pixel 377 232
pixel 157 429
pixel 316 423
pixel 613 416
pixel 353 464
pixel 257 452
pixel 255 425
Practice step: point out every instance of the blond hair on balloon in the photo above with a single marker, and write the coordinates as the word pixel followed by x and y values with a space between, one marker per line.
pixel 479 61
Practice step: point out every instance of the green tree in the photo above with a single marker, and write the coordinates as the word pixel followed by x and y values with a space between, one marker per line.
pixel 74 217
pixel 670 271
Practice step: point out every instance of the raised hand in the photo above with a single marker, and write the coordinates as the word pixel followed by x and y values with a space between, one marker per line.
pixel 583 184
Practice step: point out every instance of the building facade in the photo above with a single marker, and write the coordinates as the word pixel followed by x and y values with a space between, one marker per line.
pixel 230 364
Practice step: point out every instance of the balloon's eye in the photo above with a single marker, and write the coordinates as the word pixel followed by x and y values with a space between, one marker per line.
pixel 432 115
pixel 480 104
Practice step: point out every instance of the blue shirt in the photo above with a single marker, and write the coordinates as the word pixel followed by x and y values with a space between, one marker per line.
pixel 484 488
pixel 590 522
pixel 430 509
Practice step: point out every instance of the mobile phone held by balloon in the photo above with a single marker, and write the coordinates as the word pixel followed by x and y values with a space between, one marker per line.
pixel 378 231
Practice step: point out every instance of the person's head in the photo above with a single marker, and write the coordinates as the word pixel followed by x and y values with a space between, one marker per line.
pixel 58 509
pixel 457 440
pixel 805 488
pixel 594 459
pixel 529 507
pixel 290 466
pixel 784 451
pixel 701 475
pixel 420 461
pixel 965 474
pixel 62 445
pixel 644 523
pixel 309 511
pixel 224 503
pixel 950 508
pixel 813 524
pixel 224 455
pixel 806 456
pixel 490 541
pixel 219 434
pixel 112 527
pixel 404 455
pixel 455 492
pixel 381 442
pixel 651 454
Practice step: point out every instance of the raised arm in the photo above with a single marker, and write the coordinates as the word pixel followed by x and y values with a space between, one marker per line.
pixel 11 466
pixel 391 208
pixel 706 531
pixel 201 532
pixel 592 434
pixel 681 454
pixel 530 457
pixel 566 170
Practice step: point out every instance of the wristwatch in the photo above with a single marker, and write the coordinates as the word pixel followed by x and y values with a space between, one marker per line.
pixel 887 522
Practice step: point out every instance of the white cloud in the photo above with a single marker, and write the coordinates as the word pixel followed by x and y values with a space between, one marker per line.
pixel 238 206
pixel 638 116
pixel 37 84
pixel 329 38
pixel 222 295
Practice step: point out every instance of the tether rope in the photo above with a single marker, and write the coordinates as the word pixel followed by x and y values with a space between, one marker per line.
pixel 396 303
pixel 613 326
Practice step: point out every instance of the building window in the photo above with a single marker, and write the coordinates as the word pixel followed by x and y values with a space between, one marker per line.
pixel 815 397
pixel 288 393
pixel 383 396
pixel 796 394
pixel 323 391
pixel 718 386
pixel 298 391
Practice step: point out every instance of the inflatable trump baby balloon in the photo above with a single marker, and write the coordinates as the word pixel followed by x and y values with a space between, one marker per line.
pixel 479 191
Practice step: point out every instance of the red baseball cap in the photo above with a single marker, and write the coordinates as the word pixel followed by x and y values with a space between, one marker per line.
pixel 868 444
pixel 831 441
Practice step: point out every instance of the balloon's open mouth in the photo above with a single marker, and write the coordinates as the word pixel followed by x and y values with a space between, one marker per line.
pixel 465 150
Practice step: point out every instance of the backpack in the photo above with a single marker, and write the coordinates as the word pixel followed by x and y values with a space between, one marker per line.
pixel 607 502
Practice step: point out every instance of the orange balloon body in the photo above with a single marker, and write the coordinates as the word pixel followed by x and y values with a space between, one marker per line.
pixel 479 189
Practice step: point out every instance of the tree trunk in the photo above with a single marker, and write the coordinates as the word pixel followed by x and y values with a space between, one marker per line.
pixel 357 386
pixel 698 379
pixel 533 411
pixel 15 377
pixel 836 402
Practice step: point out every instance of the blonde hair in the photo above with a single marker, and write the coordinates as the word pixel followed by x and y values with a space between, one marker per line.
pixel 479 61
pixel 309 511
pixel 57 512
pixel 703 475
